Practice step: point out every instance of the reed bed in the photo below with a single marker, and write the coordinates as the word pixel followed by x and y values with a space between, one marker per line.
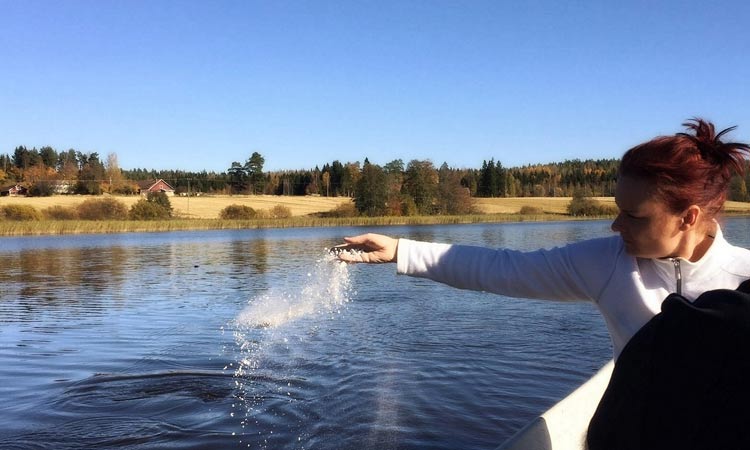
pixel 62 227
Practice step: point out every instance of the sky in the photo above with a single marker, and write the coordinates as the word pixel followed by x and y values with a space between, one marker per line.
pixel 197 85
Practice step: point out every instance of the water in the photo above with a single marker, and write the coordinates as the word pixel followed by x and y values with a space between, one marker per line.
pixel 254 339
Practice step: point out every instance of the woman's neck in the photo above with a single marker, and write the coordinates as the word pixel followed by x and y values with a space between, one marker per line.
pixel 704 238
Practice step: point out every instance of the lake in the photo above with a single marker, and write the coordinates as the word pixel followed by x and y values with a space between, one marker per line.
pixel 257 339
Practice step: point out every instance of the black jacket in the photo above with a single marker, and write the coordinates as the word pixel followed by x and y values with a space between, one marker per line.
pixel 683 381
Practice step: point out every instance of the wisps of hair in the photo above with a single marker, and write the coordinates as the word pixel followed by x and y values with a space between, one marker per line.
pixel 712 149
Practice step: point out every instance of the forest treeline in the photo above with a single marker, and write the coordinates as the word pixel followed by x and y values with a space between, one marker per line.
pixel 393 188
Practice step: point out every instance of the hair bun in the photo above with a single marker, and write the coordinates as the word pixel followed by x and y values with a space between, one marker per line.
pixel 709 143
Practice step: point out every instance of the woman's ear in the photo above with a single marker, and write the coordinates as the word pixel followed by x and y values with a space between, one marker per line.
pixel 690 217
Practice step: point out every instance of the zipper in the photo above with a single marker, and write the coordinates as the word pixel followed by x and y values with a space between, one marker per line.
pixel 677 275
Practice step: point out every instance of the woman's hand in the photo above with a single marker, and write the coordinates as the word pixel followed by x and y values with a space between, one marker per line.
pixel 367 248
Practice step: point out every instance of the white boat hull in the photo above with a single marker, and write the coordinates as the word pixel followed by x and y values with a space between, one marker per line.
pixel 564 426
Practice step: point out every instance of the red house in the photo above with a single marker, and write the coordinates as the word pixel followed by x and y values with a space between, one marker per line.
pixel 144 187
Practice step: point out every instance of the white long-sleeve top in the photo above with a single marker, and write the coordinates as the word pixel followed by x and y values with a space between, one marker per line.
pixel 627 290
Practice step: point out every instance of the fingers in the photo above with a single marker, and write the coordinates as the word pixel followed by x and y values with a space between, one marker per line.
pixel 366 248
pixel 362 241
pixel 353 253
pixel 354 239
pixel 351 257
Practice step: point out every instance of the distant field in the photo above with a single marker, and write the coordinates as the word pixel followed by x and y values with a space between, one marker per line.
pixel 204 207
pixel 559 205
pixel 208 207
pixel 551 205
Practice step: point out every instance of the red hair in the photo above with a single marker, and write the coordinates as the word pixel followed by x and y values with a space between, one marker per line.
pixel 686 169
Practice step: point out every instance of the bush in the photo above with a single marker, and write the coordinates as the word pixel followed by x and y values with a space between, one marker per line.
pixel 531 210
pixel 125 189
pixel 88 187
pixel 583 206
pixel 146 210
pixel 41 189
pixel 102 209
pixel 237 212
pixel 343 210
pixel 20 212
pixel 161 199
pixel 60 213
pixel 281 212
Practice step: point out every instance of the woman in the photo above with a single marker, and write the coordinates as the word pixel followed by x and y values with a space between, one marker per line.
pixel 669 192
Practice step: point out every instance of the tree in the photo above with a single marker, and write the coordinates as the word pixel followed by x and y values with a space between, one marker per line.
pixel 24 158
pixel 237 177
pixel 254 171
pixel 394 172
pixel 487 181
pixel 67 165
pixel 349 178
pixel 326 180
pixel 371 193
pixel 420 182
pixel 337 175
pixel 91 174
pixel 113 173
pixel 492 180
pixel 48 156
pixel 452 197
pixel 314 184
pixel 500 187
pixel 738 189
pixel 394 167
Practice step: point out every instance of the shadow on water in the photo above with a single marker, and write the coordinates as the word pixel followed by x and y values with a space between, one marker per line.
pixel 107 391
pixel 134 411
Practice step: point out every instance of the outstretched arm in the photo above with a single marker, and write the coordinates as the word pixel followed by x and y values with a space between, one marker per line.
pixel 367 248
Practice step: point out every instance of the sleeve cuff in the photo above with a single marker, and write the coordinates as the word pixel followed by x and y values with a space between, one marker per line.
pixel 402 256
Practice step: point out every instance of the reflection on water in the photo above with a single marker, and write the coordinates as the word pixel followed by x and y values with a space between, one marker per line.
pixel 250 254
pixel 251 339
pixel 44 279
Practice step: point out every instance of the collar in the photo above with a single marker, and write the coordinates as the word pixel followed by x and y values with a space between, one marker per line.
pixel 689 271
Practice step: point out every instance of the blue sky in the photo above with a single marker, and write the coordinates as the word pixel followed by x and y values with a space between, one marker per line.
pixel 195 85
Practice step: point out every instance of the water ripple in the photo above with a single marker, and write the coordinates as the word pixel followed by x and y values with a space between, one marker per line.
pixel 104 390
pixel 104 432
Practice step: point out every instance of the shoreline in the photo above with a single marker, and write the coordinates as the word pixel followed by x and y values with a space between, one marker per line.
pixel 77 227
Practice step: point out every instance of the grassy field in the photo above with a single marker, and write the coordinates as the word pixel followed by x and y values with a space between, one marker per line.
pixel 559 205
pixel 202 213
pixel 550 205
pixel 208 207
pixel 204 207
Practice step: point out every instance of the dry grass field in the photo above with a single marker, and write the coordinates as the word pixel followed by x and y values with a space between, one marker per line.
pixel 208 207
pixel 559 205
pixel 204 207
pixel 550 205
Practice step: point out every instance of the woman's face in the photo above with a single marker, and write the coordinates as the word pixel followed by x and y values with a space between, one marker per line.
pixel 648 228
